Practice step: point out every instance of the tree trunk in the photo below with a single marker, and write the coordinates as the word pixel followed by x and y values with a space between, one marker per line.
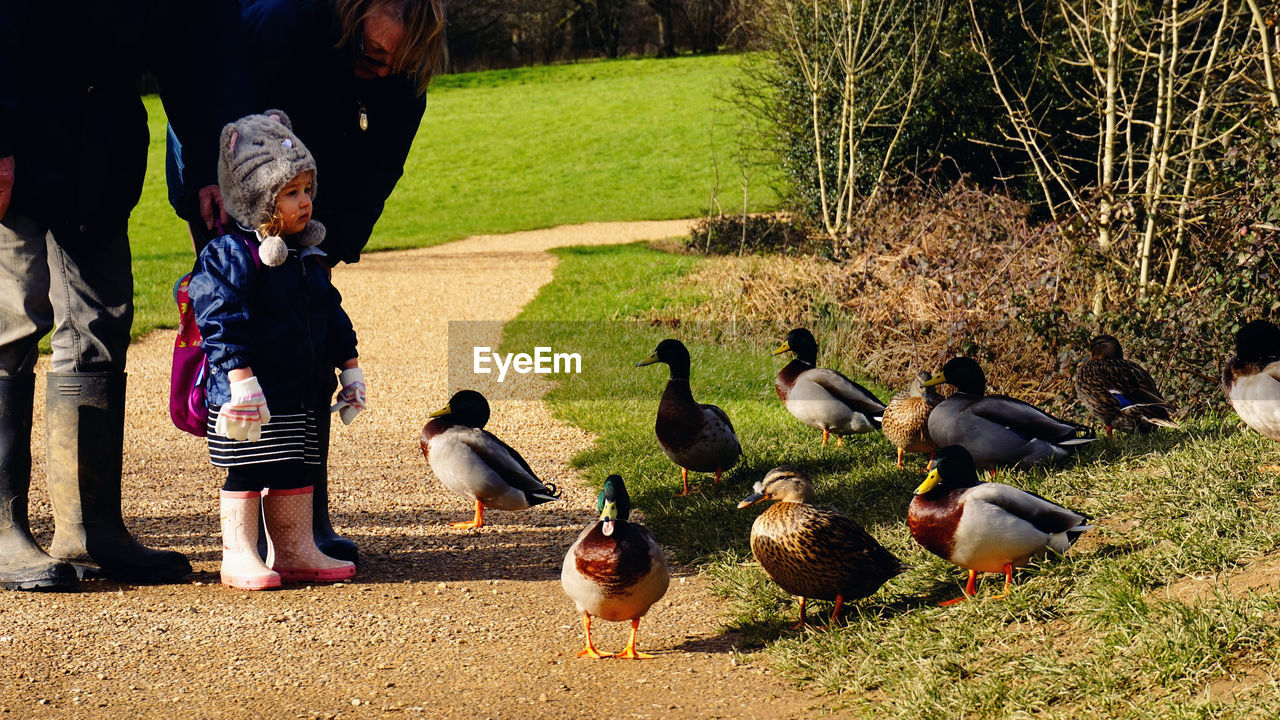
pixel 666 28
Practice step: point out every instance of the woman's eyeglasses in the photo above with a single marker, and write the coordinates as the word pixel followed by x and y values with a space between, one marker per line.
pixel 373 62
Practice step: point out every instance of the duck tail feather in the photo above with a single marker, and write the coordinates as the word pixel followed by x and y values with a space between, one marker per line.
pixel 1078 441
pixel 1074 533
pixel 537 498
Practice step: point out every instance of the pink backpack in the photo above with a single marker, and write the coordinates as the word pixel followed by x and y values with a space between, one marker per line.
pixel 187 406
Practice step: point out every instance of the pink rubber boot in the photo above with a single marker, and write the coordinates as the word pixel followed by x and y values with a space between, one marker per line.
pixel 241 566
pixel 291 548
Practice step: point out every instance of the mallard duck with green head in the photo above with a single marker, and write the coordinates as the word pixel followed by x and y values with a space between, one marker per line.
pixel 1120 392
pixel 985 526
pixel 1251 377
pixel 906 418
pixel 474 464
pixel 997 430
pixel 812 551
pixel 696 437
pixel 615 570
pixel 823 398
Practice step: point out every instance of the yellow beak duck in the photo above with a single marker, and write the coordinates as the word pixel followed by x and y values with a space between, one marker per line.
pixel 985 527
pixel 615 569
pixel 823 398
pixel 475 464
pixel 1251 378
pixel 696 437
pixel 1119 392
pixel 997 430
pixel 812 551
pixel 906 419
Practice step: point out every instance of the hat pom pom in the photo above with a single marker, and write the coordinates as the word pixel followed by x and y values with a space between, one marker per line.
pixel 273 251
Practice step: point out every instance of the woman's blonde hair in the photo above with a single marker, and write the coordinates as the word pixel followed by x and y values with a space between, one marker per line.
pixel 420 53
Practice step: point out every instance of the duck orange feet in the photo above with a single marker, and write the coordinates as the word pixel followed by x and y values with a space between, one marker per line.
pixel 799 625
pixel 631 652
pixel 1008 582
pixel 969 590
pixel 590 650
pixel 473 523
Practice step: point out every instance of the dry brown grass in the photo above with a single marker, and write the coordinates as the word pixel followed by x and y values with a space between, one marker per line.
pixel 924 278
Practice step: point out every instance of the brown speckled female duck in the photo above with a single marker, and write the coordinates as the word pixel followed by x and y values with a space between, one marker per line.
pixel 1118 391
pixel 812 551
pixel 906 418
pixel 696 437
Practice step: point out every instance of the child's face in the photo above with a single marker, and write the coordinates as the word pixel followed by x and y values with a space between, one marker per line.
pixel 293 204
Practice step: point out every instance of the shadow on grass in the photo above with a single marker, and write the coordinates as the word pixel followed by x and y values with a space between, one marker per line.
pixel 1126 447
pixel 761 631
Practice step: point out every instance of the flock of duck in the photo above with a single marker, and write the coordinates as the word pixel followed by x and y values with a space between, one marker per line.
pixel 616 569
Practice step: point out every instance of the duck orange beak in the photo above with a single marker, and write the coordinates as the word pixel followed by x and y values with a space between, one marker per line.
pixel 752 499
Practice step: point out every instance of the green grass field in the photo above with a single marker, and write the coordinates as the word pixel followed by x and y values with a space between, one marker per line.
pixel 519 149
pixel 1130 624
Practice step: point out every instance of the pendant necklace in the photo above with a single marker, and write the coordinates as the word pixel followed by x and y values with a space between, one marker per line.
pixel 363 121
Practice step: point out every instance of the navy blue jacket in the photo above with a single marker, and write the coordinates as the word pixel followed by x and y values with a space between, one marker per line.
pixel 70 112
pixel 296 68
pixel 285 322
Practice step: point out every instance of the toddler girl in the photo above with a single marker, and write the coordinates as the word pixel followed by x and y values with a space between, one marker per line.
pixel 274 330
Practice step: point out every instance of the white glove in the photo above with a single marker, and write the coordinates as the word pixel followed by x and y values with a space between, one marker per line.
pixel 351 396
pixel 243 416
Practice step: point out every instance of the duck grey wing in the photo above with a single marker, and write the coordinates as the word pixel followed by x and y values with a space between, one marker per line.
pixel 858 398
pixel 1046 515
pixel 722 415
pixel 1024 418
pixel 507 463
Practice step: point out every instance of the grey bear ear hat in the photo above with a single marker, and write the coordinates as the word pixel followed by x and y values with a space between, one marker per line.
pixel 258 155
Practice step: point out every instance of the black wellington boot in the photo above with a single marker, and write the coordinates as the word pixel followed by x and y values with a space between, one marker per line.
pixel 23 565
pixel 85 426
pixel 329 541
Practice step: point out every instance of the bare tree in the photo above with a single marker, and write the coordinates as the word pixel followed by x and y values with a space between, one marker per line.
pixel 873 75
pixel 664 9
pixel 1156 88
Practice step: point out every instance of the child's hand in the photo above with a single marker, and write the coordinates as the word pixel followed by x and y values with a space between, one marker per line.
pixel 244 415
pixel 351 396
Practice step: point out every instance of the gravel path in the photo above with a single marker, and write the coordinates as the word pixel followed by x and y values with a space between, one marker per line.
pixel 438 622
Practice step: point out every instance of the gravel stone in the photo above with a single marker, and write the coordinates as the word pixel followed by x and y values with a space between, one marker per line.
pixel 438 622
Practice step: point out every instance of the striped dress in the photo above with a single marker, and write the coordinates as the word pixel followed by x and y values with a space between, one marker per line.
pixel 289 437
